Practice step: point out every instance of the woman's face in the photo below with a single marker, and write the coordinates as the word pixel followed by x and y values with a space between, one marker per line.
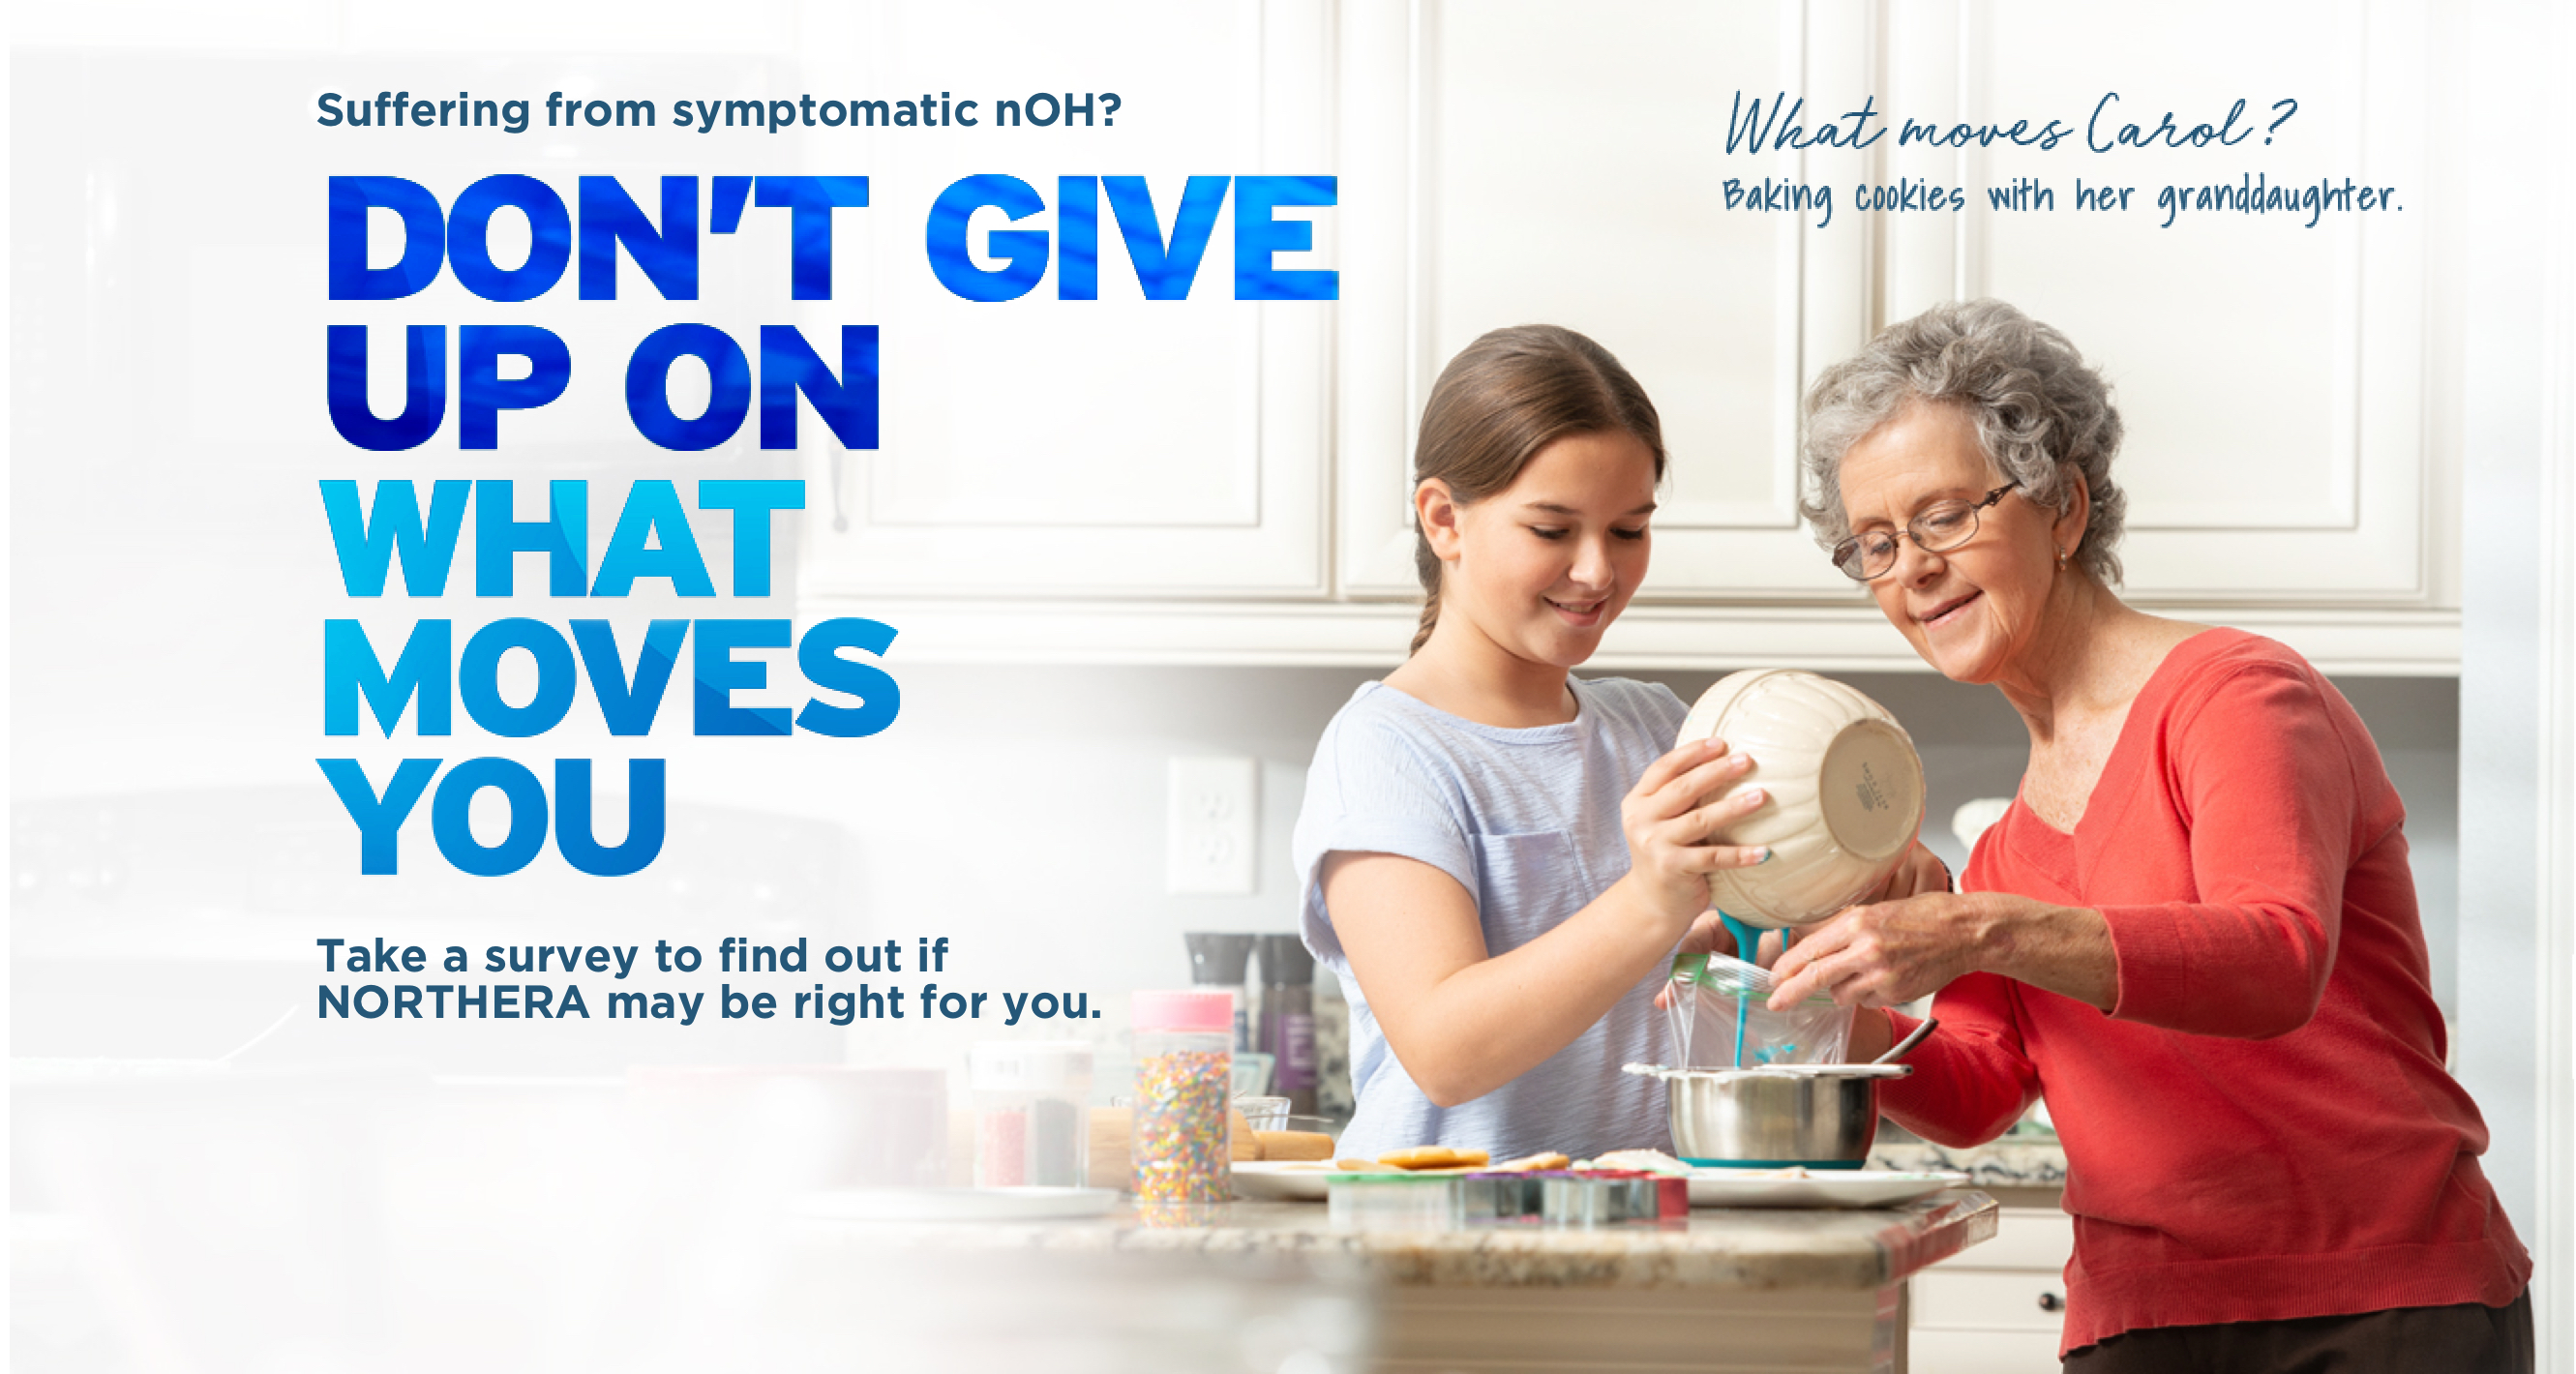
pixel 1542 567
pixel 1971 611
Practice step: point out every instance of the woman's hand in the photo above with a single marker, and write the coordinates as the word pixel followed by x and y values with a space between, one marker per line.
pixel 1920 873
pixel 1667 827
pixel 1885 953
pixel 1889 953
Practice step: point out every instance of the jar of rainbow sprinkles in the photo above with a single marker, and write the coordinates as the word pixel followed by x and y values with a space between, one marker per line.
pixel 1184 1074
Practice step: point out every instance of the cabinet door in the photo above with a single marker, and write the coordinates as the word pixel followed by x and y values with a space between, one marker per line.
pixel 1513 162
pixel 2271 371
pixel 1998 1308
pixel 1043 446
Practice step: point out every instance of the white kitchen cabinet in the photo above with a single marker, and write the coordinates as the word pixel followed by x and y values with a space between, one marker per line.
pixel 1998 1308
pixel 1527 163
pixel 2273 376
pixel 1039 447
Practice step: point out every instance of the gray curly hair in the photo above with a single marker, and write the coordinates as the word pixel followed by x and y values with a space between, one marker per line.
pixel 2037 406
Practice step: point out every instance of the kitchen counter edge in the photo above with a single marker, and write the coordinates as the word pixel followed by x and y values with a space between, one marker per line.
pixel 1716 1248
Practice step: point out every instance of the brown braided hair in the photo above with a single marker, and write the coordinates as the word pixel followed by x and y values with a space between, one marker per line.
pixel 1504 397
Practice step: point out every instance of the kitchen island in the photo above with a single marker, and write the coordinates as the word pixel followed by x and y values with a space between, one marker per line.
pixel 1727 1290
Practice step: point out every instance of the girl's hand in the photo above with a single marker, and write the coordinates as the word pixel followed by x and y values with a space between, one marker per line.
pixel 1922 871
pixel 1708 935
pixel 1669 855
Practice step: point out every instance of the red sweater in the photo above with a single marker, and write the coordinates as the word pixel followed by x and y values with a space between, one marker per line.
pixel 2261 1129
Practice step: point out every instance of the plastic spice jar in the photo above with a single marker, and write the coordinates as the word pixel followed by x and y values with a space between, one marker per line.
pixel 1032 1113
pixel 1184 1073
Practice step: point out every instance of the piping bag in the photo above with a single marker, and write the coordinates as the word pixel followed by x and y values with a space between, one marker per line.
pixel 1816 1031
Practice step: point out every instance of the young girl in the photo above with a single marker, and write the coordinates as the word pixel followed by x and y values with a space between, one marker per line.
pixel 1500 917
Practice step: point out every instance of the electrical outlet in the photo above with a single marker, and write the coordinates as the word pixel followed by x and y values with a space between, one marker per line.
pixel 1213 837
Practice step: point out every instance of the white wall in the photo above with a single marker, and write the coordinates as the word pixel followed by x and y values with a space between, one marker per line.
pixel 2513 1033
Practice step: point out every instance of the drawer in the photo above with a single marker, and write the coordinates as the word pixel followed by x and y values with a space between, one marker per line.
pixel 2025 1238
pixel 1965 1299
pixel 1981 1352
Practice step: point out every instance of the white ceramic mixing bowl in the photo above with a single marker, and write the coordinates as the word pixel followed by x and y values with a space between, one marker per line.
pixel 1846 793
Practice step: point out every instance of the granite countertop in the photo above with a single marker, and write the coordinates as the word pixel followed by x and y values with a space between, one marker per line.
pixel 2011 1162
pixel 1716 1248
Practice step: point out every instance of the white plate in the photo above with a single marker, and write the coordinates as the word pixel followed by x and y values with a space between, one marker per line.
pixel 1301 1181
pixel 1820 1188
pixel 958 1204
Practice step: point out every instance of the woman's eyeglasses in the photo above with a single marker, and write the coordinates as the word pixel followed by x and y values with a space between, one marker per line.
pixel 1937 528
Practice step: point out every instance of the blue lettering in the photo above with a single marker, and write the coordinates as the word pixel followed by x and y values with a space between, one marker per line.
pixel 719 675
pixel 424 238
pixel 478 677
pixel 424 388
pixel 379 819
pixel 1166 271
pixel 809 202
pixel 848 403
pixel 629 705
pixel 752 500
pixel 1258 236
pixel 610 218
pixel 1077 233
pixel 563 537
pixel 577 839
pixel 451 809
pixel 652 539
pixel 648 377
pixel 350 668
pixel 469 234
pixel 1024 251
pixel 482 393
pixel 367 544
pixel 818 656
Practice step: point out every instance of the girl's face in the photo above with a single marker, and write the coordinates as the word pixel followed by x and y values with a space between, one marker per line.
pixel 1541 568
pixel 1973 611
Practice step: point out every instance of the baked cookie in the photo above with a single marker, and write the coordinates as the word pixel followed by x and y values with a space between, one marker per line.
pixel 1433 1157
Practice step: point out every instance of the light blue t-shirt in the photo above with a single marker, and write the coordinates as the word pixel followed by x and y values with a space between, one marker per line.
pixel 1528 822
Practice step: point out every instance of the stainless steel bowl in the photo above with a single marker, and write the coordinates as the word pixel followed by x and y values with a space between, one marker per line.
pixel 1811 1114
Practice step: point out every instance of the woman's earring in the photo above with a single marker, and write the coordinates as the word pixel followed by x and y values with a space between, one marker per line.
pixel 2062 556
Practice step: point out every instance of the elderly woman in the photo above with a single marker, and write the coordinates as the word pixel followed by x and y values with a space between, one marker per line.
pixel 2195 928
